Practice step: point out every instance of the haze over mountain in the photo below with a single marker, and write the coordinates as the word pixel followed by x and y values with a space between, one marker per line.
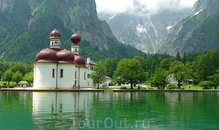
pixel 25 26
pixel 143 24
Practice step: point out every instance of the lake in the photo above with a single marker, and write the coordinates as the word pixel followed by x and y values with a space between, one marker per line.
pixel 109 110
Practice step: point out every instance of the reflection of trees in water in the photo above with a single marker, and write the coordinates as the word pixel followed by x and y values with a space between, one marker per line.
pixel 157 107
pixel 10 100
pixel 66 110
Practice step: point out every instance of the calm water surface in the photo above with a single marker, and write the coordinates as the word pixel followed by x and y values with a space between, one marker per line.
pixel 109 110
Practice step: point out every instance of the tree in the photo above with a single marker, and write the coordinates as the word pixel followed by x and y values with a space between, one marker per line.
pixel 165 63
pixel 7 76
pixel 215 78
pixel 28 77
pixel 110 64
pixel 99 73
pixel 17 77
pixel 178 58
pixel 129 71
pixel 19 67
pixel 180 71
pixel 159 79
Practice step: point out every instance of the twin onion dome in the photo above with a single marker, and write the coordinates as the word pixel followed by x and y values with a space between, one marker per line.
pixel 57 55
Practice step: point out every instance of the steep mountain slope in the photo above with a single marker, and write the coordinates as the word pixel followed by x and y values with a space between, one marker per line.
pixel 198 32
pixel 25 26
pixel 140 29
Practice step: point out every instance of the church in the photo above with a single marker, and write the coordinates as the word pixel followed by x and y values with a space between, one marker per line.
pixel 57 68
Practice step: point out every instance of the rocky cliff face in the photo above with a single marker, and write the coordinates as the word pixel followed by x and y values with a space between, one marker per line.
pixel 210 5
pixel 198 32
pixel 76 14
pixel 143 31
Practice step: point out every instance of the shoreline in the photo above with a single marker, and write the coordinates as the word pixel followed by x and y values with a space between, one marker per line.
pixel 101 90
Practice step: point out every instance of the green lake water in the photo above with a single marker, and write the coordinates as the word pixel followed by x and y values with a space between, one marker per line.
pixel 109 110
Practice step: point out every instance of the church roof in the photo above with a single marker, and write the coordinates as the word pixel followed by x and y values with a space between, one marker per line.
pixel 75 39
pixel 54 55
pixel 79 61
pixel 55 34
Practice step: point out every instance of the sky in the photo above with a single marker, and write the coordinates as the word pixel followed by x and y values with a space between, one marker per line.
pixel 153 6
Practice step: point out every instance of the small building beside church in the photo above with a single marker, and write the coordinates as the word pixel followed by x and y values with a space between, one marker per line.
pixel 57 68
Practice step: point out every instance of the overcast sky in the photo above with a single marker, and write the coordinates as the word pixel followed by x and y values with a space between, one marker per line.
pixel 153 6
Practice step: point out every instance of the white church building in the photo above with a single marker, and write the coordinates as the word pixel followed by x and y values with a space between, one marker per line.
pixel 57 68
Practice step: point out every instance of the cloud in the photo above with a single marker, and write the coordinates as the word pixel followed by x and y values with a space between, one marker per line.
pixel 153 6
pixel 113 6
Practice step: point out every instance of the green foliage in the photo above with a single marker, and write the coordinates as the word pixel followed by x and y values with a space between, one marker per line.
pixel 165 63
pixel 19 67
pixel 110 64
pixel 207 64
pixel 215 78
pixel 7 76
pixel 178 58
pixel 208 85
pixel 180 71
pixel 159 79
pixel 28 77
pixel 171 86
pixel 17 77
pixel 99 73
pixel 129 71
pixel 11 71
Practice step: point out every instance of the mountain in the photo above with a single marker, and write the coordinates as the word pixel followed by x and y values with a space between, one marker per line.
pixel 198 32
pixel 25 26
pixel 147 32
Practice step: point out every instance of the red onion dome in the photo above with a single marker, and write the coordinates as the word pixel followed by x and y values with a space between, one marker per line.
pixel 79 61
pixel 47 55
pixel 75 38
pixel 65 56
pixel 55 34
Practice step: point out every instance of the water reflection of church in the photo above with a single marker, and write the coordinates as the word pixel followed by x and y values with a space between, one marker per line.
pixel 59 110
pixel 60 68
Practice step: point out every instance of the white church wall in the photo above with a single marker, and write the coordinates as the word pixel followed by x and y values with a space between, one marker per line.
pixel 83 77
pixel 43 75
pixel 67 79
pixel 89 80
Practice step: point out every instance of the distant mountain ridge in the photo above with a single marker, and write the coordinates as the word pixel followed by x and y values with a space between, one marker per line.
pixel 25 26
pixel 143 31
pixel 198 32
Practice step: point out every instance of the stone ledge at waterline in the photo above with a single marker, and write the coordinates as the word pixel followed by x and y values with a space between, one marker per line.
pixel 104 90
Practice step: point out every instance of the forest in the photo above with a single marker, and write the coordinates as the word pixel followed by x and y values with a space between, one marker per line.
pixel 196 66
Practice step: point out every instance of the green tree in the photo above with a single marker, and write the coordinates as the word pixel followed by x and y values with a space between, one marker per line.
pixel 178 58
pixel 215 78
pixel 180 71
pixel 129 71
pixel 165 63
pixel 99 74
pixel 110 64
pixel 159 79
pixel 28 77
pixel 19 67
pixel 7 76
pixel 17 77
